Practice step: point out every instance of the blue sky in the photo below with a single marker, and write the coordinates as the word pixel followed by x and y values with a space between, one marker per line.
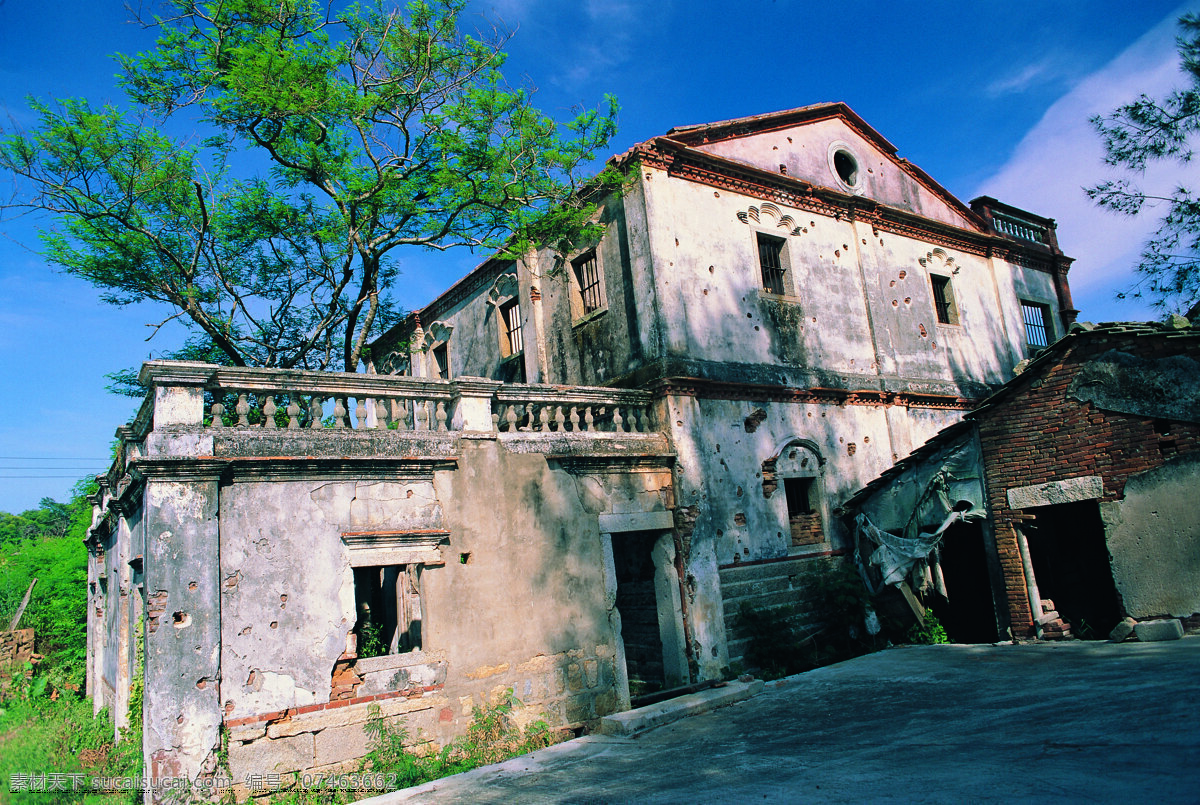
pixel 988 98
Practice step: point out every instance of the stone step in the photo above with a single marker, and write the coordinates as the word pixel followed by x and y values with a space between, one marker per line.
pixel 632 722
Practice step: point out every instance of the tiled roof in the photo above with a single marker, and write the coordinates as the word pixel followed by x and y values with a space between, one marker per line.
pixel 1177 327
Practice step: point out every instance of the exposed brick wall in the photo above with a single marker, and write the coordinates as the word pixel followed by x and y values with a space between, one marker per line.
pixel 1038 434
pixel 806 529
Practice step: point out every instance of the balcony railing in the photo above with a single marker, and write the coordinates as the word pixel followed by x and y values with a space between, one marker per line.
pixel 209 397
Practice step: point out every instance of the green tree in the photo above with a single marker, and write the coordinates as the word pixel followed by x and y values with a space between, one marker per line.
pixel 1149 130
pixel 371 128
pixel 47 544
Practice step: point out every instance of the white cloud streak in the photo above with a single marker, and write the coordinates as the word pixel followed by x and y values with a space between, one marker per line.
pixel 1062 154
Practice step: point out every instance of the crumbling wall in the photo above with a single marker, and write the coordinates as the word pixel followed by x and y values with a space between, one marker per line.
pixel 1041 433
pixel 1153 535
pixel 516 599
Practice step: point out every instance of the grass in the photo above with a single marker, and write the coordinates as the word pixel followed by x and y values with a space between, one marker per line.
pixel 43 735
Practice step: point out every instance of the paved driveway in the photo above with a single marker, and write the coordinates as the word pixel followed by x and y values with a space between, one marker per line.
pixel 1066 722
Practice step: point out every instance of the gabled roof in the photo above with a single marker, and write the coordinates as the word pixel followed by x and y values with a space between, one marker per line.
pixel 1044 360
pixel 690 137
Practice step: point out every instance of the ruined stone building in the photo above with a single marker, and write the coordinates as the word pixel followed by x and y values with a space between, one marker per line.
pixel 568 470
pixel 1077 481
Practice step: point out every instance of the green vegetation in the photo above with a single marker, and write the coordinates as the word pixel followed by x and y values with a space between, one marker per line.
pixel 929 633
pixel 493 736
pixel 46 725
pixel 1148 130
pixel 356 130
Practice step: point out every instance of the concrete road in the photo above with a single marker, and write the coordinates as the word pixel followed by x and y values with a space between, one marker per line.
pixel 1065 722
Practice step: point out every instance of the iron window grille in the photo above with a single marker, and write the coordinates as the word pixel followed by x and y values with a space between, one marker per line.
pixel 588 277
pixel 943 299
pixel 1037 326
pixel 511 313
pixel 770 261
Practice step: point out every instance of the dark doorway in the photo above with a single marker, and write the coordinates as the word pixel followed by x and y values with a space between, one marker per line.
pixel 969 613
pixel 637 603
pixel 1072 567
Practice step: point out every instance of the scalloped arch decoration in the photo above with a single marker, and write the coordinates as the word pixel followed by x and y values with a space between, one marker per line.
pixel 505 287
pixel 769 215
pixel 939 260
pixel 437 333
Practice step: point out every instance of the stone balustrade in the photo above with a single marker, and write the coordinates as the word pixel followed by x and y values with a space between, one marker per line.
pixel 525 408
pixel 214 398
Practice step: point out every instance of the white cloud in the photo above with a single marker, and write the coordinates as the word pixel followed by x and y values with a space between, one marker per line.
pixel 1062 154
pixel 1030 75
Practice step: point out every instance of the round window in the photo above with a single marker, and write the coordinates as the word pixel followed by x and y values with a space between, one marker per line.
pixel 845 166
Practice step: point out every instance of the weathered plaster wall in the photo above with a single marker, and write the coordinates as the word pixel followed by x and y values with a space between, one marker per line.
pixel 518 601
pixel 183 627
pixel 1153 537
pixel 593 348
pixel 858 304
pixel 803 151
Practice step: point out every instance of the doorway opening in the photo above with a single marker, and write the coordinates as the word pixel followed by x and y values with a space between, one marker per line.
pixel 968 612
pixel 1072 566
pixel 637 603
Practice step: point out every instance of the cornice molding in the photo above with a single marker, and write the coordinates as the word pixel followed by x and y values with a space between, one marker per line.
pixel 681 161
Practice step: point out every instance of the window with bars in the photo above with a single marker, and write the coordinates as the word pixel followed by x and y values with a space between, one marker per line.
pixel 510 317
pixel 943 299
pixel 772 263
pixel 588 276
pixel 441 361
pixel 1037 323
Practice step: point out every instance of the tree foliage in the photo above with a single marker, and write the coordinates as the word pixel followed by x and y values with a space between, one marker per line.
pixel 46 543
pixel 1149 130
pixel 366 128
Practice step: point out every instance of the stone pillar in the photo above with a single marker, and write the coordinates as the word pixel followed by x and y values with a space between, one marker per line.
pixel 535 369
pixel 178 389
pixel 473 404
pixel 182 626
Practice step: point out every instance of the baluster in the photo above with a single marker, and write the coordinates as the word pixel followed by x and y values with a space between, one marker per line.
pixel 360 412
pixel 617 426
pixel 510 416
pixel 381 414
pixel 400 413
pixel 339 412
pixel 574 419
pixel 269 411
pixel 645 419
pixel 589 421
pixel 421 413
pixel 559 419
pixel 543 417
pixel 243 411
pixel 293 412
pixel 315 411
pixel 527 415
pixel 495 422
pixel 218 414
pixel 441 415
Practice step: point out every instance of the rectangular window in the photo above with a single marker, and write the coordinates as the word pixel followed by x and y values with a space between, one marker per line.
pixel 943 299
pixel 588 276
pixel 1037 323
pixel 771 263
pixel 510 317
pixel 441 360
pixel 804 516
pixel 388 602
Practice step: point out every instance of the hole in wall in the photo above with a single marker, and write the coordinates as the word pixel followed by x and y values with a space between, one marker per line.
pixel 464 557
pixel 846 166
pixel 180 620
